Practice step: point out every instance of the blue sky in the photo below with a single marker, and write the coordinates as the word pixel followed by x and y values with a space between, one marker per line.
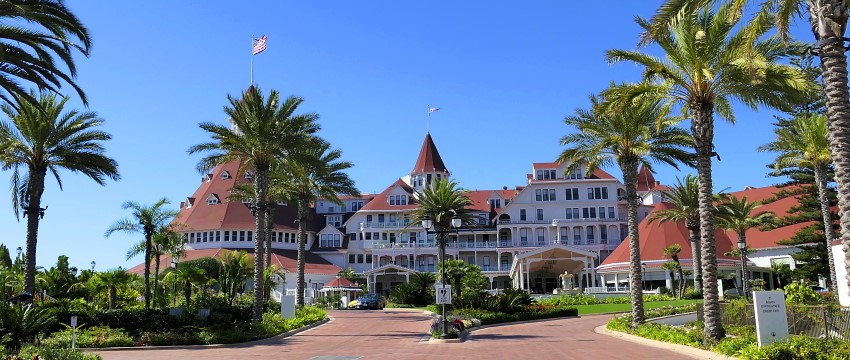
pixel 503 75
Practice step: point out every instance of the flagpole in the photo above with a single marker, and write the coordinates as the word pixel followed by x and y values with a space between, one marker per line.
pixel 428 128
pixel 252 60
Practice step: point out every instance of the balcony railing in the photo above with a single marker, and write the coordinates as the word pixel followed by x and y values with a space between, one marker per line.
pixel 559 221
pixel 386 224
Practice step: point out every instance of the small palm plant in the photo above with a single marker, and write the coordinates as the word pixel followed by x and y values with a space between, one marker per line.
pixel 672 252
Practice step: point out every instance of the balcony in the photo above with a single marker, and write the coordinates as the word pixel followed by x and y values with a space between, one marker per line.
pixel 495 268
pixel 388 225
pixel 562 221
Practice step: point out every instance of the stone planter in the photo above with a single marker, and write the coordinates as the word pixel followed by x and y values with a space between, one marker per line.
pixel 464 335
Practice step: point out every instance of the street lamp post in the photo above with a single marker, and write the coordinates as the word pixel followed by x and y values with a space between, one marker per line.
pixel 19 251
pixel 92 266
pixel 428 224
pixel 174 260
pixel 742 248
pixel 643 275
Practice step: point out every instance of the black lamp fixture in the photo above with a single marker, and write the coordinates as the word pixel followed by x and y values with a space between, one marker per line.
pixel 428 225
pixel 92 265
pixel 19 251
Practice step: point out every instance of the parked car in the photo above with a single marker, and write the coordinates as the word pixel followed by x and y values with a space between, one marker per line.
pixel 818 288
pixel 371 301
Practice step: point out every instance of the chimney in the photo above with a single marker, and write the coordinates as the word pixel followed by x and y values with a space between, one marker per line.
pixel 504 187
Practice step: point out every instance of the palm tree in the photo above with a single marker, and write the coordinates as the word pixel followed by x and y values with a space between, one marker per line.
pixel 319 175
pixel 805 144
pixel 265 131
pixel 44 138
pixel 706 66
pixel 31 53
pixel 631 136
pixel 739 215
pixel 235 267
pixel 685 197
pixel 113 279
pixel 189 275
pixel 672 252
pixel 455 271
pixel 146 220
pixel 671 267
pixel 828 21
pixel 165 241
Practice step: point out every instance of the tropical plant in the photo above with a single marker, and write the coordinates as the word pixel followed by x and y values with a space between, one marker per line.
pixel 672 268
pixel 265 131
pixel 462 275
pixel 235 267
pixel 805 144
pixel 44 138
pixel 113 279
pixel 631 136
pixel 30 53
pixel 685 198
pixel 189 276
pixel 711 59
pixel 20 323
pixel 318 174
pixel 672 252
pixel 828 21
pixel 739 215
pixel 146 220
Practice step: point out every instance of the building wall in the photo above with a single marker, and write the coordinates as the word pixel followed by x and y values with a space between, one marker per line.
pixel 841 275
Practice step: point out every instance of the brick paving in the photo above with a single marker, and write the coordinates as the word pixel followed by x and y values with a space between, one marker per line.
pixel 396 334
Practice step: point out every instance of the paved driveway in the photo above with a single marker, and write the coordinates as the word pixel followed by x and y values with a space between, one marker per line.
pixel 395 334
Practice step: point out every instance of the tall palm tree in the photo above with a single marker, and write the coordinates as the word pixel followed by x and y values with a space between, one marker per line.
pixel 265 131
pixel 739 215
pixel 113 280
pixel 672 252
pixel 685 198
pixel 30 53
pixel 828 21
pixel 189 275
pixel 146 220
pixel 46 138
pixel 805 144
pixel 709 61
pixel 321 174
pixel 165 241
pixel 631 136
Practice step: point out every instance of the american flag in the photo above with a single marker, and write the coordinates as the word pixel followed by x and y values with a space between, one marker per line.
pixel 259 45
pixel 430 110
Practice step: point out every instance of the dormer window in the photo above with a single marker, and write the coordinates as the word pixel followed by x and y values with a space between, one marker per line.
pixel 495 203
pixel 398 199
pixel 577 173
pixel 213 200
pixel 247 201
pixel 225 175
pixel 549 174
pixel 208 177
pixel 189 202
pixel 249 175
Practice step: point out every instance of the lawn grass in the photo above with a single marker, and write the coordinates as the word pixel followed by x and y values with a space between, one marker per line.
pixel 621 308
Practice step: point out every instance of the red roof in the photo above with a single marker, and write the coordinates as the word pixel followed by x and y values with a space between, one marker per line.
pixel 429 159
pixel 228 214
pixel 341 282
pixel 600 174
pixel 546 165
pixel 380 201
pixel 283 258
pixel 645 180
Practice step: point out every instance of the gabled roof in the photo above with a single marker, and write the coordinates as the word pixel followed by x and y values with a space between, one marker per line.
pixel 429 159
pixel 380 201
pixel 645 181
pixel 228 214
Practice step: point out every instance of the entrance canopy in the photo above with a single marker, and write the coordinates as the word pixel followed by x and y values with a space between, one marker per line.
pixel 554 259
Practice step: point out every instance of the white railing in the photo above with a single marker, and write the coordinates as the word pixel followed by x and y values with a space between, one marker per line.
pixel 558 221
pixel 388 224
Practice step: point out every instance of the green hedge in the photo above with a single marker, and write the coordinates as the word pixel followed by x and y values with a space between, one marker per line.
pixel 493 317
pixel 139 320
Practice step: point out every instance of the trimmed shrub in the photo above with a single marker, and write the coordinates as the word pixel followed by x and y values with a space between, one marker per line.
pixel 44 352
pixel 92 337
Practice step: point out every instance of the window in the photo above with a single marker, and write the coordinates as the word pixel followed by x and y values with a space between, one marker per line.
pixel 380 218
pixel 601 212
pixel 368 236
pixel 351 258
pixel 572 213
pixel 577 235
pixel 589 213
pixel 523 237
pixel 250 236
pixel 611 212
pixel 597 193
pixel 218 236
pixel 241 236
pixel 590 235
pixel 541 238
pixel 191 237
pixel 352 236
pixel 331 208
pixel 356 205
pixel 383 236
pixel 485 263
pixel 413 236
pixel 368 218
pixel 546 174
pixel 249 175
pixel 522 216
pixel 576 173
pixel 369 259
pixel 539 214
pixel 225 175
pixel 212 200
pixel 565 235
pixel 539 174
pixel 495 203
pixel 572 194
pixel 334 220
pixel 603 235
pixel 359 258
pixel 204 236
pixel 544 195
pixel 329 240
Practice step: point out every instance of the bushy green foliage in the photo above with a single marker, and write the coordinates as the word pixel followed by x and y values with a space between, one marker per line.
pixel 92 337
pixel 50 353
pixel 618 300
pixel 20 323
pixel 691 293
pixel 797 293
pixel 797 348
pixel 671 334
pixel 656 297
pixel 568 300
pixel 532 313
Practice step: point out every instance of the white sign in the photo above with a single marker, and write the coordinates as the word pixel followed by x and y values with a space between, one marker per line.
pixel 73 332
pixel 73 321
pixel 287 306
pixel 444 294
pixel 771 316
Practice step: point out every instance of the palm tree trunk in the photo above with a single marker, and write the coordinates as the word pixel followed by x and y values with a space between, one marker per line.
pixel 696 260
pixel 147 273
pixel 112 295
pixel 302 243
pixel 187 292
pixel 828 230
pixel 630 169
pixel 702 130
pixel 269 234
pixel 261 191
pixel 156 276
pixel 745 277
pixel 834 66
pixel 36 188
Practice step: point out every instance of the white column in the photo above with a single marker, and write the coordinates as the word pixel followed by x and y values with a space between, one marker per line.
pixel 616 282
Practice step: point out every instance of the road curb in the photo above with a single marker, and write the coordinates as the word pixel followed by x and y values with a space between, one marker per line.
pixel 212 346
pixel 689 351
